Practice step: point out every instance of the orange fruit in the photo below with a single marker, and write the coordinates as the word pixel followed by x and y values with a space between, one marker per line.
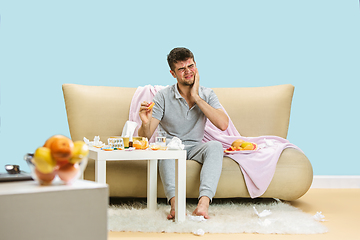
pixel 150 105
pixel 237 144
pixel 137 144
pixel 61 148
pixel 155 147
pixel 141 144
pixel 145 143
pixel 51 139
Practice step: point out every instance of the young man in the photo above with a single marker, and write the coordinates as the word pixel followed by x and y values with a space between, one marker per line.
pixel 182 110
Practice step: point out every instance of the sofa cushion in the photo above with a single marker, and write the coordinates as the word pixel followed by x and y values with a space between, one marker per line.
pixel 258 111
pixel 96 110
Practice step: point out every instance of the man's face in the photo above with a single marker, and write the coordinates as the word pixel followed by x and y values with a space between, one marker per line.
pixel 184 72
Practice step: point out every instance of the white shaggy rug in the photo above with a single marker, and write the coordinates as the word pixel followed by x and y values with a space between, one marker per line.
pixel 264 217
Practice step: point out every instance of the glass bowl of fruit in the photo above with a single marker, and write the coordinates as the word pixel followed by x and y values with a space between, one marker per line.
pixel 58 159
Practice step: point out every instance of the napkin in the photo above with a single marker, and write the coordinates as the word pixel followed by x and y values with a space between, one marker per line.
pixel 95 143
pixel 175 144
pixel 129 128
pixel 319 217
pixel 199 232
pixel 263 213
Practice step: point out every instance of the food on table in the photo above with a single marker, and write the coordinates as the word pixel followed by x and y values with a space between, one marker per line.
pixel 107 149
pixel 137 144
pixel 157 147
pixel 141 144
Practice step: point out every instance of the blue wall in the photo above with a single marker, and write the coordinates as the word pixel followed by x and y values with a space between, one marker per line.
pixel 313 45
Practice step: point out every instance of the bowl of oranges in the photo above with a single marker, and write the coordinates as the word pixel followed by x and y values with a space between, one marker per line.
pixel 59 157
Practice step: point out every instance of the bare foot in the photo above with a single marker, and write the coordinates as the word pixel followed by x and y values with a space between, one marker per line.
pixel 202 207
pixel 171 216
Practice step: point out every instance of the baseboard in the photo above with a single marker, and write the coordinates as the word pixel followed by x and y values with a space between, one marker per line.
pixel 332 181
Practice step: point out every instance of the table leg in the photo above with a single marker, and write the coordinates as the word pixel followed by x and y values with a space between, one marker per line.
pixel 152 184
pixel 180 189
pixel 100 171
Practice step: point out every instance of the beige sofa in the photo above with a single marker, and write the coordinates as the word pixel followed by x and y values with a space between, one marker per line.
pixel 102 111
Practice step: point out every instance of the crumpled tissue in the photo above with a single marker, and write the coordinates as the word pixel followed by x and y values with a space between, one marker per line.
pixel 263 213
pixel 175 144
pixel 268 143
pixel 319 217
pixel 196 218
pixel 129 129
pixel 263 222
pixel 95 143
pixel 199 232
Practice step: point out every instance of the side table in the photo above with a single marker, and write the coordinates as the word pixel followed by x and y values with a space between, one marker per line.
pixel 101 157
pixel 72 212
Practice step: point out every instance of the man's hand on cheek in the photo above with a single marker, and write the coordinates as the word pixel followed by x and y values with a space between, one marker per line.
pixel 195 86
pixel 197 76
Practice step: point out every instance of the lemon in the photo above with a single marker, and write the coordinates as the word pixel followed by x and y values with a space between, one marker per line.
pixel 43 160
pixel 80 151
pixel 247 146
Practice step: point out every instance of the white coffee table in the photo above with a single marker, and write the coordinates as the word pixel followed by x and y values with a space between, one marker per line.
pixel 56 212
pixel 101 157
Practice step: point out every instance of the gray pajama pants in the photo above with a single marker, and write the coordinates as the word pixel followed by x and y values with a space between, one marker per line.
pixel 210 155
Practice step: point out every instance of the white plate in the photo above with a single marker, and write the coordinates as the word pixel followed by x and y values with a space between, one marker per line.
pixel 243 151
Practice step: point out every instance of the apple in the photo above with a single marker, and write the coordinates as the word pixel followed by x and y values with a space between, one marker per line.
pixel 68 172
pixel 44 178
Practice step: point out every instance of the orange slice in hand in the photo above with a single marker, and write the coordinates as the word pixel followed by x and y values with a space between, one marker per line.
pixel 150 105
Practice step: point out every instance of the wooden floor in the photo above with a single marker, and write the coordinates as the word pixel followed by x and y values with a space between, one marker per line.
pixel 341 208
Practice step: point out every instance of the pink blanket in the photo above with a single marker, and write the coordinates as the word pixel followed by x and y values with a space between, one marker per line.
pixel 258 167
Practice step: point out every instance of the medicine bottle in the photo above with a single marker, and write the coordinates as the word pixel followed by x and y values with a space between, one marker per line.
pixel 130 141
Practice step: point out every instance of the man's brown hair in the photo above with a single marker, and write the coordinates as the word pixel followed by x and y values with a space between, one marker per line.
pixel 178 54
